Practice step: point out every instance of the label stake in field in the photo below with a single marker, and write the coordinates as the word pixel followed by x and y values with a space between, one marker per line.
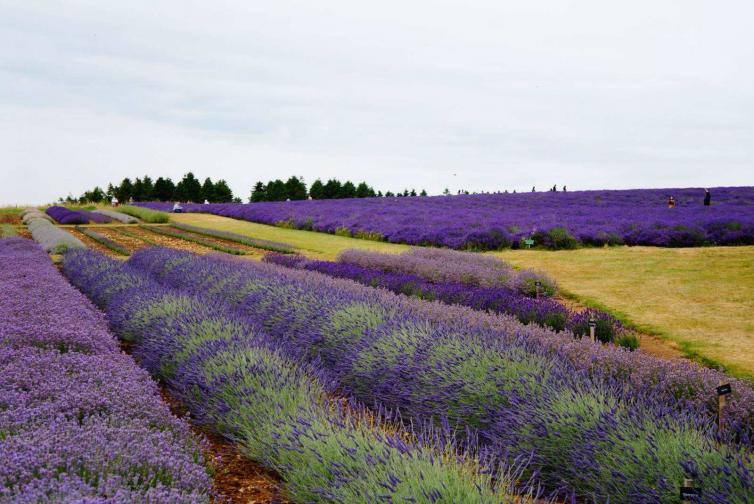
pixel 593 329
pixel 689 493
pixel 537 285
pixel 722 390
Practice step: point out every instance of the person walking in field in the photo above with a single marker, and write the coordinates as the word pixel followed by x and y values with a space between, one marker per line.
pixel 707 197
pixel 114 201
pixel 671 202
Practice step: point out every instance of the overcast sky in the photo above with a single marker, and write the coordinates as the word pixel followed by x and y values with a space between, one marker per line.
pixel 482 95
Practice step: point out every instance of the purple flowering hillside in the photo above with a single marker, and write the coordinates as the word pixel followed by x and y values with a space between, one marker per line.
pixel 494 221
pixel 79 421
pixel 574 410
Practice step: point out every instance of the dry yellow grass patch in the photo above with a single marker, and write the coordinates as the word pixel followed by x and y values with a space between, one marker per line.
pixel 313 244
pixel 701 298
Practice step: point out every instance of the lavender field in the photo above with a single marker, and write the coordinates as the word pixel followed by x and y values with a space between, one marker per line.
pixel 233 338
pixel 494 221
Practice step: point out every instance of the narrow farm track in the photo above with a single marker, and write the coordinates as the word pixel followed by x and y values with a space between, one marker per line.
pixel 12 219
pixel 236 478
pixel 93 244
pixel 250 251
pixel 114 234
pixel 169 241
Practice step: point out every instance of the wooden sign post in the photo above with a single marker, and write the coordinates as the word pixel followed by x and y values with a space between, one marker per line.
pixel 593 329
pixel 537 286
pixel 689 493
pixel 722 390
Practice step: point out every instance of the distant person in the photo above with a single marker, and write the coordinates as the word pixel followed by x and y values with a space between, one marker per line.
pixel 114 201
pixel 555 188
pixel 671 202
pixel 564 189
pixel 206 202
pixel 707 197
pixel 131 200
pixel 177 208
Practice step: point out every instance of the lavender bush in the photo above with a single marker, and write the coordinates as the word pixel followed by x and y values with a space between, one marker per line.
pixel 495 221
pixel 443 265
pixel 63 215
pixel 235 378
pixel 52 238
pixel 79 421
pixel 32 213
pixel 587 417
pixel 545 312
pixel 118 216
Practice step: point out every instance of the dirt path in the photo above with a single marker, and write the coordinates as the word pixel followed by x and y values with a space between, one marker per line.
pixel 236 478
pixel 12 219
pixel 94 244
pixel 647 342
pixel 132 244
pixel 250 251
pixel 169 241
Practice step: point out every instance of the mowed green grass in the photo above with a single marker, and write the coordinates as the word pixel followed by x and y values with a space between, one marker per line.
pixel 700 298
pixel 313 244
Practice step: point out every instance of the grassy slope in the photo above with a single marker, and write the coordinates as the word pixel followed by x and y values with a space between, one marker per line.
pixel 701 298
pixel 319 245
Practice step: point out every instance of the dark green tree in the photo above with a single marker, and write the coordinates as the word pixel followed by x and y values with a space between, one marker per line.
pixel 124 190
pixel 423 193
pixel 208 191
pixel 223 194
pixel 348 190
pixel 147 191
pixel 258 193
pixel 332 189
pixel 164 189
pixel 317 190
pixel 364 191
pixel 295 188
pixel 189 189
pixel 138 191
pixel 276 191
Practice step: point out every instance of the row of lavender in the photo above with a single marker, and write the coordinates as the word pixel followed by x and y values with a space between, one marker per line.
pixel 467 279
pixel 588 418
pixel 63 215
pixel 495 221
pixel 51 238
pixel 237 379
pixel 79 421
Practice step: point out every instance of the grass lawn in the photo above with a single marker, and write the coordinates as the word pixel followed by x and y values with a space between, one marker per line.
pixel 310 243
pixel 700 298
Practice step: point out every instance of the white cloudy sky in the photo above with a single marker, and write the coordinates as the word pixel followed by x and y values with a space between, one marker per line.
pixel 502 94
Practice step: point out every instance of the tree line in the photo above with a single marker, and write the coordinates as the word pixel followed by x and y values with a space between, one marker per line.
pixel 189 188
pixel 295 189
